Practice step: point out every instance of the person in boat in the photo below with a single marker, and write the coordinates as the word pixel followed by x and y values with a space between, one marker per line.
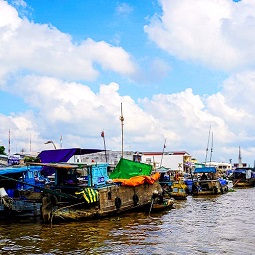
pixel 176 177
pixel 203 177
pixel 157 197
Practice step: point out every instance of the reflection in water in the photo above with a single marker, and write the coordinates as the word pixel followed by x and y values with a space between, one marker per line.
pixel 202 225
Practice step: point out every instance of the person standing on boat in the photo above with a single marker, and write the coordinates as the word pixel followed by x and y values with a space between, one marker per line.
pixel 203 177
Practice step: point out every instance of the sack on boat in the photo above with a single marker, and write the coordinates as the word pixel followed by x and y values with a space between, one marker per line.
pixel 3 193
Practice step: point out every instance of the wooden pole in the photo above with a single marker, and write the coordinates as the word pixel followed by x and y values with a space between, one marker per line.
pixel 207 144
pixel 102 134
pixel 163 153
pixel 122 132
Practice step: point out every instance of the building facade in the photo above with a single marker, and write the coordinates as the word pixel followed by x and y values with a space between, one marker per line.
pixel 175 161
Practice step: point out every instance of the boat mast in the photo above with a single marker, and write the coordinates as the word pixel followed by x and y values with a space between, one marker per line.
pixel 206 153
pixel 9 143
pixel 103 136
pixel 30 143
pixel 211 150
pixel 240 158
pixel 163 153
pixel 122 133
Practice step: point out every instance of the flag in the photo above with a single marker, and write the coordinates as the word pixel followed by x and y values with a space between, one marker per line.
pixel 102 134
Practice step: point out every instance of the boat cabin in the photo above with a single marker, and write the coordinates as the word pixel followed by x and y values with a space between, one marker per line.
pixel 243 177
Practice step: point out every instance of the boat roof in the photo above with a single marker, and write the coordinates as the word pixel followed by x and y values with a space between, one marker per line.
pixel 16 169
pixel 55 165
pixel 208 169
pixel 243 169
pixel 162 169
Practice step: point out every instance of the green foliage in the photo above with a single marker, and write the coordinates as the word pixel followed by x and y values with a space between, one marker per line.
pixel 2 150
pixel 31 159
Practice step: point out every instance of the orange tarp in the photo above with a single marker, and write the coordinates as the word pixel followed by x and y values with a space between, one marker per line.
pixel 153 178
pixel 138 180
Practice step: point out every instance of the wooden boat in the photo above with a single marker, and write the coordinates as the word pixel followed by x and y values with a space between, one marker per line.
pixel 179 190
pixel 159 203
pixel 207 183
pixel 20 191
pixel 129 187
pixel 243 177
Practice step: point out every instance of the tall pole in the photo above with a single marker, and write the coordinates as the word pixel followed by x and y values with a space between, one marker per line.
pixel 30 143
pixel 207 144
pixel 9 143
pixel 102 135
pixel 211 150
pixel 163 153
pixel 239 158
pixel 61 138
pixel 122 133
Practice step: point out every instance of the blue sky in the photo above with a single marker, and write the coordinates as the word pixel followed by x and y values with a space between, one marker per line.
pixel 178 67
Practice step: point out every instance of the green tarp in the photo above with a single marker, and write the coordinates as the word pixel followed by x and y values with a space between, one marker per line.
pixel 126 169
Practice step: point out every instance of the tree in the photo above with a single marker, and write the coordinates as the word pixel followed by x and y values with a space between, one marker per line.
pixel 2 150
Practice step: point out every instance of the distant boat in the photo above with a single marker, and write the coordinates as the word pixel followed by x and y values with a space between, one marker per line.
pixel 243 177
pixel 206 183
pixel 160 203
pixel 20 191
pixel 179 190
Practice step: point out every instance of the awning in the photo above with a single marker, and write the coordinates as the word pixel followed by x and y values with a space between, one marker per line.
pixel 12 170
pixel 63 155
pixel 209 169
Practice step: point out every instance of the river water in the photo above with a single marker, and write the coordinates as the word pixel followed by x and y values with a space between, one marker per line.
pixel 222 224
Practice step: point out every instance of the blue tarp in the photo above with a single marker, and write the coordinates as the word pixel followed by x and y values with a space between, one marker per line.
pixel 12 170
pixel 242 170
pixel 223 182
pixel 209 169
pixel 21 169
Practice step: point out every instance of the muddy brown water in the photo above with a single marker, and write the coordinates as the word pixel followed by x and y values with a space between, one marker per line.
pixel 222 224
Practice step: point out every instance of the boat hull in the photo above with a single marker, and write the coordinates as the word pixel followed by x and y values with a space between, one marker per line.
pixel 165 205
pixel 208 187
pixel 243 183
pixel 112 200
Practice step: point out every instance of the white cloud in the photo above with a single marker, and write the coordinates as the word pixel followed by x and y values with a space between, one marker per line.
pixel 27 46
pixel 75 111
pixel 60 105
pixel 124 9
pixel 211 32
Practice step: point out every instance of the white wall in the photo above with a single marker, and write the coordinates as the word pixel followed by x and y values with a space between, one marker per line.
pixel 174 162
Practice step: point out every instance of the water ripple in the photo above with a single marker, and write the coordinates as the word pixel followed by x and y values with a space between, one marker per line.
pixel 203 225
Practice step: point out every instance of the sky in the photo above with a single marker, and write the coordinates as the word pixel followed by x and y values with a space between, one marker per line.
pixel 182 70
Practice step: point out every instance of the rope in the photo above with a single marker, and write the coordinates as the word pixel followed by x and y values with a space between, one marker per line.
pixel 236 182
pixel 68 206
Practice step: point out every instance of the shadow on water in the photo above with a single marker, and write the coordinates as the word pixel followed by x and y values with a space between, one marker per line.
pixel 200 225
